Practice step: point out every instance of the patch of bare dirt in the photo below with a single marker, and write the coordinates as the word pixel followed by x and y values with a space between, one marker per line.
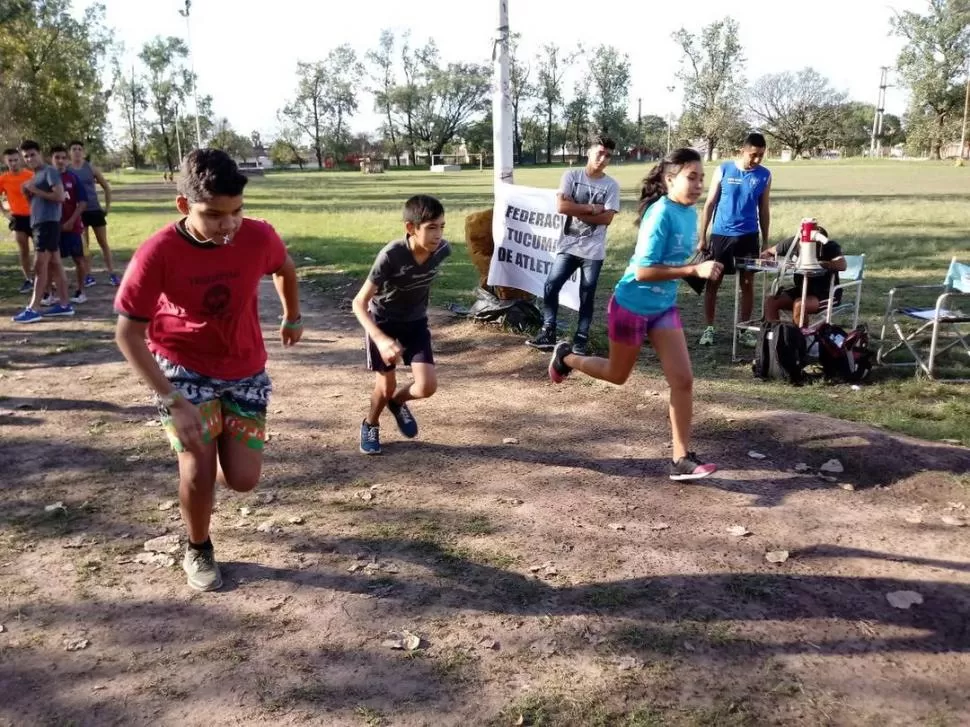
pixel 556 579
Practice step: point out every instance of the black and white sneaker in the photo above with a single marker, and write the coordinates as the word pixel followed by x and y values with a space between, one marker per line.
pixel 581 345
pixel 558 370
pixel 690 468
pixel 404 418
pixel 545 341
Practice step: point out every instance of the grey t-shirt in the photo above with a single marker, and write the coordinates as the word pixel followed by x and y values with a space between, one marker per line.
pixel 42 210
pixel 86 174
pixel 579 238
pixel 402 284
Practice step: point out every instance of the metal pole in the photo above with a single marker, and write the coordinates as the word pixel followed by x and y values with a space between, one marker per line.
pixel 670 115
pixel 639 128
pixel 966 106
pixel 178 136
pixel 502 99
pixel 195 95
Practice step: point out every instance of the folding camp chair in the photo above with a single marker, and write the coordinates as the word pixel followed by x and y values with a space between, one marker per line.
pixel 850 281
pixel 939 328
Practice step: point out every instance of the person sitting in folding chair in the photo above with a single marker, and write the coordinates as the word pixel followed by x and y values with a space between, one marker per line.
pixel 829 256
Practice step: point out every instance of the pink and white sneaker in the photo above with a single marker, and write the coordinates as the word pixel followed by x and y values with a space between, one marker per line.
pixel 690 468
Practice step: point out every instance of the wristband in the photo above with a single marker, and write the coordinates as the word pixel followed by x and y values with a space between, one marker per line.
pixel 298 323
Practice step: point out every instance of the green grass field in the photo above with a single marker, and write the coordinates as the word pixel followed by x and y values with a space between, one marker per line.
pixel 909 218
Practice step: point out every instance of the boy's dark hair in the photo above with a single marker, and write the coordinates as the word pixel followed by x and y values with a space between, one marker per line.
pixel 58 148
pixel 422 208
pixel 654 185
pixel 75 142
pixel 10 151
pixel 755 140
pixel 208 173
pixel 602 140
pixel 28 145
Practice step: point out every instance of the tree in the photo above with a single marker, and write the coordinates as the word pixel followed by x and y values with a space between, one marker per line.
pixel 927 127
pixel 326 98
pixel 577 119
pixel 534 133
pixel 519 89
pixel 306 111
pixel 405 97
pixel 384 79
pixel 609 71
pixel 932 63
pixel 436 102
pixel 552 66
pixel 453 95
pixel 479 137
pixel 711 71
pixel 132 98
pixel 344 72
pixel 234 144
pixel 51 70
pixel 286 148
pixel 168 82
pixel 257 141
pixel 798 109
pixel 852 128
pixel 653 135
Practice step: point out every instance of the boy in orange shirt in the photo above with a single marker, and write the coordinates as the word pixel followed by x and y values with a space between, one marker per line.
pixel 18 216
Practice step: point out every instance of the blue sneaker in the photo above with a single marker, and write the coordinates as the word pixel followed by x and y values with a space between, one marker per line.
pixel 404 418
pixel 59 310
pixel 27 316
pixel 27 287
pixel 89 281
pixel 370 438
pixel 115 280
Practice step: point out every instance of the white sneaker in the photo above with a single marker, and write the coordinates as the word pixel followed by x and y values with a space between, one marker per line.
pixel 48 300
pixel 202 570
pixel 79 297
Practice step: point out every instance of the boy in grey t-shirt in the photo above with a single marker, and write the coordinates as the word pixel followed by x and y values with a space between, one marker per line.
pixel 46 193
pixel 392 306
pixel 589 198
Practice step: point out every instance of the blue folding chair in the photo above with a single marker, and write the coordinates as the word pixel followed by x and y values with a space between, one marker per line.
pixel 937 330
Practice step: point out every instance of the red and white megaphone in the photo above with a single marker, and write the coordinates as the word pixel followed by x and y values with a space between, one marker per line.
pixel 807 255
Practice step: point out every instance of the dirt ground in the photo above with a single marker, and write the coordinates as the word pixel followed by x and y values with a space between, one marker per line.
pixel 529 537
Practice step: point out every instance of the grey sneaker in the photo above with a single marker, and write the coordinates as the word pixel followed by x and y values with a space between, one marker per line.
pixel 201 568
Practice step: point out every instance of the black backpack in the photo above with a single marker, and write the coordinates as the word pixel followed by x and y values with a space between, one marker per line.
pixel 781 353
pixel 844 356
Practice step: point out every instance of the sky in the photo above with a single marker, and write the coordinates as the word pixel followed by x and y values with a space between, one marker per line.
pixel 245 52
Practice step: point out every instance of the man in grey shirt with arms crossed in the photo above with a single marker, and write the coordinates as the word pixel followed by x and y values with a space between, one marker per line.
pixel 589 198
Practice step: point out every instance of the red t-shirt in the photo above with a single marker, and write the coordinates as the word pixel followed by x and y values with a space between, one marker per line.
pixel 74 194
pixel 201 300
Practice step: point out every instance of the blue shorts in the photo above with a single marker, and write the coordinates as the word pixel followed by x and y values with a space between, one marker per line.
pixel 71 245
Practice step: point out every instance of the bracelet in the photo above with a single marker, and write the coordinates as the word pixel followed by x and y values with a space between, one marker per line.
pixel 298 323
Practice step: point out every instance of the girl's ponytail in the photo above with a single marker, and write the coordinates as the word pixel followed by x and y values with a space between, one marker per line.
pixel 654 185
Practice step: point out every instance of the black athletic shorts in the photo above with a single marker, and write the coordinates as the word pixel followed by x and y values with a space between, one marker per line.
pixel 94 218
pixel 414 337
pixel 47 237
pixel 20 223
pixel 724 248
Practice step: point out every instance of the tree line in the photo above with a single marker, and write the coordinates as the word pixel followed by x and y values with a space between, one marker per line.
pixel 62 77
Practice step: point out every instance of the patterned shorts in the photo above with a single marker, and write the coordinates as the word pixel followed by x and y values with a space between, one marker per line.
pixel 236 407
pixel 625 326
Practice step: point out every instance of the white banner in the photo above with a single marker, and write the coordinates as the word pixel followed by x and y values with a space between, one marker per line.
pixel 526 228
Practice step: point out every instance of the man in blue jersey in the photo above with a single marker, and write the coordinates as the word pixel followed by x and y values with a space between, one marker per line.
pixel 739 203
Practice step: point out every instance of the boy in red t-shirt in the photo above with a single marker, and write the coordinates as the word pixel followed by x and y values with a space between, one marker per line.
pixel 188 323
